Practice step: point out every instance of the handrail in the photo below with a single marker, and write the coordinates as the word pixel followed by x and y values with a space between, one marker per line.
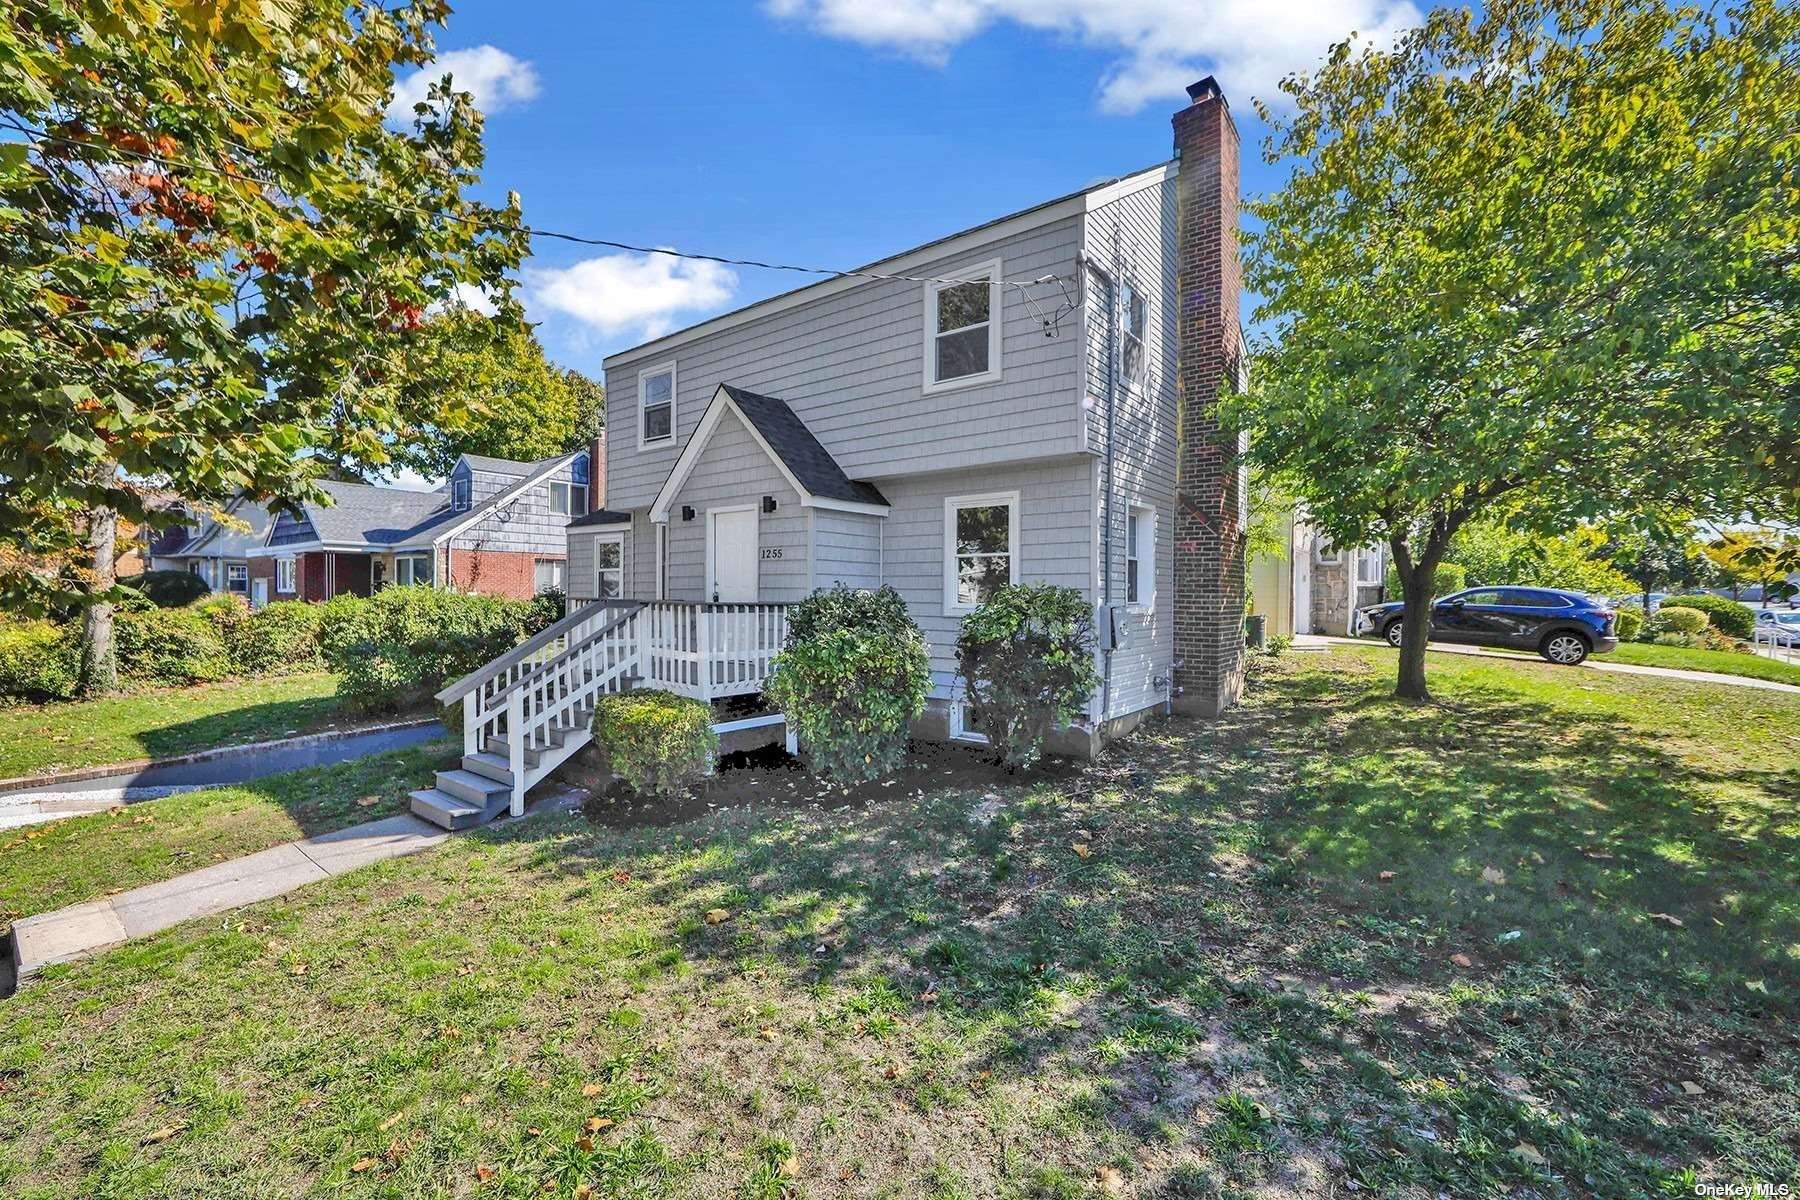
pixel 482 674
pixel 544 668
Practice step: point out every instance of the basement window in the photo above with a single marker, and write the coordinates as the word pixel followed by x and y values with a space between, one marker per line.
pixel 962 328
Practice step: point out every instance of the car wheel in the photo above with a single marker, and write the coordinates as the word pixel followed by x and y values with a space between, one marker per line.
pixel 1565 649
pixel 1393 634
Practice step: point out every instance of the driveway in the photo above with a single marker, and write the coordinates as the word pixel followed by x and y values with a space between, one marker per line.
pixel 1302 641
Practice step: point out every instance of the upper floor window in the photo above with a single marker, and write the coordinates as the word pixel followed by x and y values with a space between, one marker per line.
pixel 1140 557
pixel 962 328
pixel 1369 567
pixel 459 494
pixel 656 405
pixel 578 468
pixel 1137 322
pixel 981 545
pixel 568 499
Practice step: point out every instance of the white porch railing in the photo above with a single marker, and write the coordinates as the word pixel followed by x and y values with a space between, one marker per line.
pixel 544 688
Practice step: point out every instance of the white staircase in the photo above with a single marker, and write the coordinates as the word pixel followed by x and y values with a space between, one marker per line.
pixel 530 710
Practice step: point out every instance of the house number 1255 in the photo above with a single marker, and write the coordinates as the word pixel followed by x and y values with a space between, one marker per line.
pixel 771 552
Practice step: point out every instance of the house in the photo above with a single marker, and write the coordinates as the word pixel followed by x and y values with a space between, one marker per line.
pixel 1030 399
pixel 1314 586
pixel 216 550
pixel 495 526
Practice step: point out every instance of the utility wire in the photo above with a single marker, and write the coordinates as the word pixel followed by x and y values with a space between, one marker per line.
pixel 557 235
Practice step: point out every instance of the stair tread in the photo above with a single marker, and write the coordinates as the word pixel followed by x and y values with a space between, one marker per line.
pixel 453 805
pixel 471 779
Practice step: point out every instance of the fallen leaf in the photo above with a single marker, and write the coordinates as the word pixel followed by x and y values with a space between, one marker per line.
pixel 1667 919
pixel 162 1135
pixel 1529 1153
pixel 930 997
pixel 767 1035
pixel 790 1167
pixel 450 1031
pixel 297 969
pixel 467 1100
pixel 584 1144
pixel 367 801
pixel 583 1191
pixel 892 1072
pixel 596 1124
pixel 361 1165
pixel 1492 875
pixel 1692 1088
pixel 484 1173
pixel 715 916
pixel 1385 876
pixel 1462 960
pixel 533 1131
pixel 592 1089
pixel 1082 849
pixel 391 1122
pixel 1110 1179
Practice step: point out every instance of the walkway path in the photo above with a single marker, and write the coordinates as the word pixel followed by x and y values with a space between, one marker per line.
pixel 82 929
pixel 1305 640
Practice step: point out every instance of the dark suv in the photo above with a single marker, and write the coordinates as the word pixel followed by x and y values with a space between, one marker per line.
pixel 1564 627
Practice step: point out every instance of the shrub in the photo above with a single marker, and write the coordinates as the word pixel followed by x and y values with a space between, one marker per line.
pixel 658 743
pixel 279 638
pixel 854 672
pixel 170 645
pixel 1631 624
pixel 542 611
pixel 1689 641
pixel 169 589
pixel 1449 577
pixel 398 647
pixel 1278 645
pixel 1673 618
pixel 1027 662
pixel 39 660
pixel 1723 613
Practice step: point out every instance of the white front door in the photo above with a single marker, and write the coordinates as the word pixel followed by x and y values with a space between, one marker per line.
pixel 259 593
pixel 731 555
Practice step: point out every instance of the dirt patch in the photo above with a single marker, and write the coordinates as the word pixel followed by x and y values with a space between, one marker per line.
pixel 772 777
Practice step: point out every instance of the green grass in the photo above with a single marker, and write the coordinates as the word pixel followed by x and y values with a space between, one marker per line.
pixel 938 996
pixel 163 722
pixel 50 866
pixel 1723 662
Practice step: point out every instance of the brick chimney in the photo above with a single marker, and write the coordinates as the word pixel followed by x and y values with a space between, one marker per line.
pixel 1209 491
pixel 597 472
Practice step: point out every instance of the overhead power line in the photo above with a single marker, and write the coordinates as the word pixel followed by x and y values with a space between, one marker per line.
pixel 533 231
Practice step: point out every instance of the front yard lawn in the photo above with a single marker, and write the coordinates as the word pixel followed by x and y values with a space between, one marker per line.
pixel 1722 662
pixel 39 739
pixel 1541 940
pixel 49 866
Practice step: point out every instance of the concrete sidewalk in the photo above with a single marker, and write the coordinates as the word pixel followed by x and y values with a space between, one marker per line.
pixel 1315 641
pixel 83 929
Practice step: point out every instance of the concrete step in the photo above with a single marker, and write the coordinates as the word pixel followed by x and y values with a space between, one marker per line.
pixel 472 786
pixel 444 810
pixel 494 766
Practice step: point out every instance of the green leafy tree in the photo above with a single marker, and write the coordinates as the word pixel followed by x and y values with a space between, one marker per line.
pixel 1658 559
pixel 1538 261
pixel 210 242
pixel 590 407
pixel 1760 558
pixel 1490 553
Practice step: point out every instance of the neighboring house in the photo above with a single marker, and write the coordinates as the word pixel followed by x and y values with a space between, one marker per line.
pixel 216 550
pixel 495 527
pixel 1314 586
pixel 954 427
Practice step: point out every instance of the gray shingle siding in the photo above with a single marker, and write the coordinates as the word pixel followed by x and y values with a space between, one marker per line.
pixel 851 365
pixel 523 524
pixel 290 529
pixel 734 470
pixel 846 549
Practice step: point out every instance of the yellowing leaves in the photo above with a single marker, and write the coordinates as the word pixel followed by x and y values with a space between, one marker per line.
pixel 717 916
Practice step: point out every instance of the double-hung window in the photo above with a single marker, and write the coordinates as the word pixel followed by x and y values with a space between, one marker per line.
pixel 609 567
pixel 1137 322
pixel 981 542
pixel 962 328
pixel 237 577
pixel 656 405
pixel 459 494
pixel 1140 557
pixel 568 499
pixel 413 570
pixel 1369 567
pixel 284 575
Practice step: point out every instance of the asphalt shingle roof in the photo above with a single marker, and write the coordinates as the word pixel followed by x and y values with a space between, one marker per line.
pixel 601 516
pixel 377 515
pixel 796 446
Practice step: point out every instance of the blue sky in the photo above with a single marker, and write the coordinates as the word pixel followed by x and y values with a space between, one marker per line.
pixel 830 132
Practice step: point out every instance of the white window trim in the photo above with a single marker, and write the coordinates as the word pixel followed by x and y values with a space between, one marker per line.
pixel 1146 601
pixel 466 486
pixel 1333 559
pixel 571 491
pixel 288 568
pixel 1369 554
pixel 410 576
pixel 232 575
pixel 959 725
pixel 951 504
pixel 618 539
pixel 1135 386
pixel 996 316
pixel 662 368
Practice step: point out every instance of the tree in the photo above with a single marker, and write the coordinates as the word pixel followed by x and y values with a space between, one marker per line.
pixel 210 241
pixel 1655 559
pixel 1539 264
pixel 1760 558
pixel 590 406
pixel 486 388
pixel 1490 553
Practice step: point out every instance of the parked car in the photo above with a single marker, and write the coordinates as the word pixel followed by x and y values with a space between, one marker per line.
pixel 1564 627
pixel 1778 627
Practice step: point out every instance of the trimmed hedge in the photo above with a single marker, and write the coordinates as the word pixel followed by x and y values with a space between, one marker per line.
pixel 170 645
pixel 1673 618
pixel 853 675
pixel 1722 612
pixel 280 639
pixel 658 743
pixel 1027 661
pixel 169 589
pixel 1631 624
pixel 397 648
pixel 39 660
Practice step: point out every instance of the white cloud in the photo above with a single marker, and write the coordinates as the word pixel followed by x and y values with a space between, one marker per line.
pixel 620 294
pixel 492 76
pixel 1163 45
pixel 475 299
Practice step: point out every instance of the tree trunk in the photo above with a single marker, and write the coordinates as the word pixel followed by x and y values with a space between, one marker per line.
pixel 1415 629
pixel 99 657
